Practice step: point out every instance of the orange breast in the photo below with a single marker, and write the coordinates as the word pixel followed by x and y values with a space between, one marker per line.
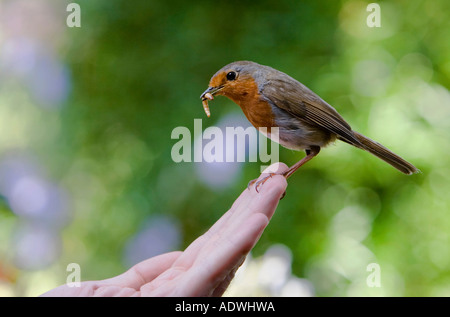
pixel 257 111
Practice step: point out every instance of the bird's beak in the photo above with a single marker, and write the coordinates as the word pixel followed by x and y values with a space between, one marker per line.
pixel 209 95
pixel 211 90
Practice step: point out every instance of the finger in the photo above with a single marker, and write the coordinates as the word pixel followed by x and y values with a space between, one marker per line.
pixel 211 267
pixel 220 289
pixel 273 187
pixel 274 168
pixel 144 272
pixel 226 248
pixel 247 197
pixel 190 254
pixel 242 203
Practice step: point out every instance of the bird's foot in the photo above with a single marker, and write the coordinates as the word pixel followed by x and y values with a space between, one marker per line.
pixel 258 183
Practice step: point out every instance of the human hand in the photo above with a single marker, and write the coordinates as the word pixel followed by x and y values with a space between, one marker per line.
pixel 208 265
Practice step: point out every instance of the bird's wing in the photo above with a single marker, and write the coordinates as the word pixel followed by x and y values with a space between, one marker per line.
pixel 297 99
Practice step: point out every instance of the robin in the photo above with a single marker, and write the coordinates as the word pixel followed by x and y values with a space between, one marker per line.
pixel 270 98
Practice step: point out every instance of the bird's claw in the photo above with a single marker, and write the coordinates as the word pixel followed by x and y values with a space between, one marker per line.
pixel 259 183
pixel 250 183
pixel 262 181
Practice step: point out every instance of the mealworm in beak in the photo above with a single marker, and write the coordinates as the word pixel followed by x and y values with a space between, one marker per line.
pixel 206 107
pixel 205 103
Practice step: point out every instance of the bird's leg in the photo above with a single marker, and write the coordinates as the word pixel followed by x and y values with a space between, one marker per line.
pixel 310 153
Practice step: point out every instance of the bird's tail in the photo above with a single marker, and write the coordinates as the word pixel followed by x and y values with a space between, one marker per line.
pixel 385 154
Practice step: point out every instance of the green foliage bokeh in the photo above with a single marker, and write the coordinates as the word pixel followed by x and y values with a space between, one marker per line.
pixel 138 69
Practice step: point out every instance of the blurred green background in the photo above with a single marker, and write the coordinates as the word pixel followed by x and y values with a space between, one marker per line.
pixel 86 116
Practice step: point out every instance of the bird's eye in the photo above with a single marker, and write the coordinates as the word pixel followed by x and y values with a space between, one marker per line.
pixel 231 76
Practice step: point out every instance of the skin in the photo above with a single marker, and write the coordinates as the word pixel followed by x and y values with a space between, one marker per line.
pixel 208 265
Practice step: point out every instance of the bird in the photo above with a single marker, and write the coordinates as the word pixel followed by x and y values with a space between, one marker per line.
pixel 271 99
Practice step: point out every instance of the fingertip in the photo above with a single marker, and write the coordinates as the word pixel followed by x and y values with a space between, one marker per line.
pixel 275 168
pixel 276 186
pixel 277 183
pixel 280 182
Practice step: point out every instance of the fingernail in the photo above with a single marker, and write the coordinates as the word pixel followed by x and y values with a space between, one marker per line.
pixel 272 168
